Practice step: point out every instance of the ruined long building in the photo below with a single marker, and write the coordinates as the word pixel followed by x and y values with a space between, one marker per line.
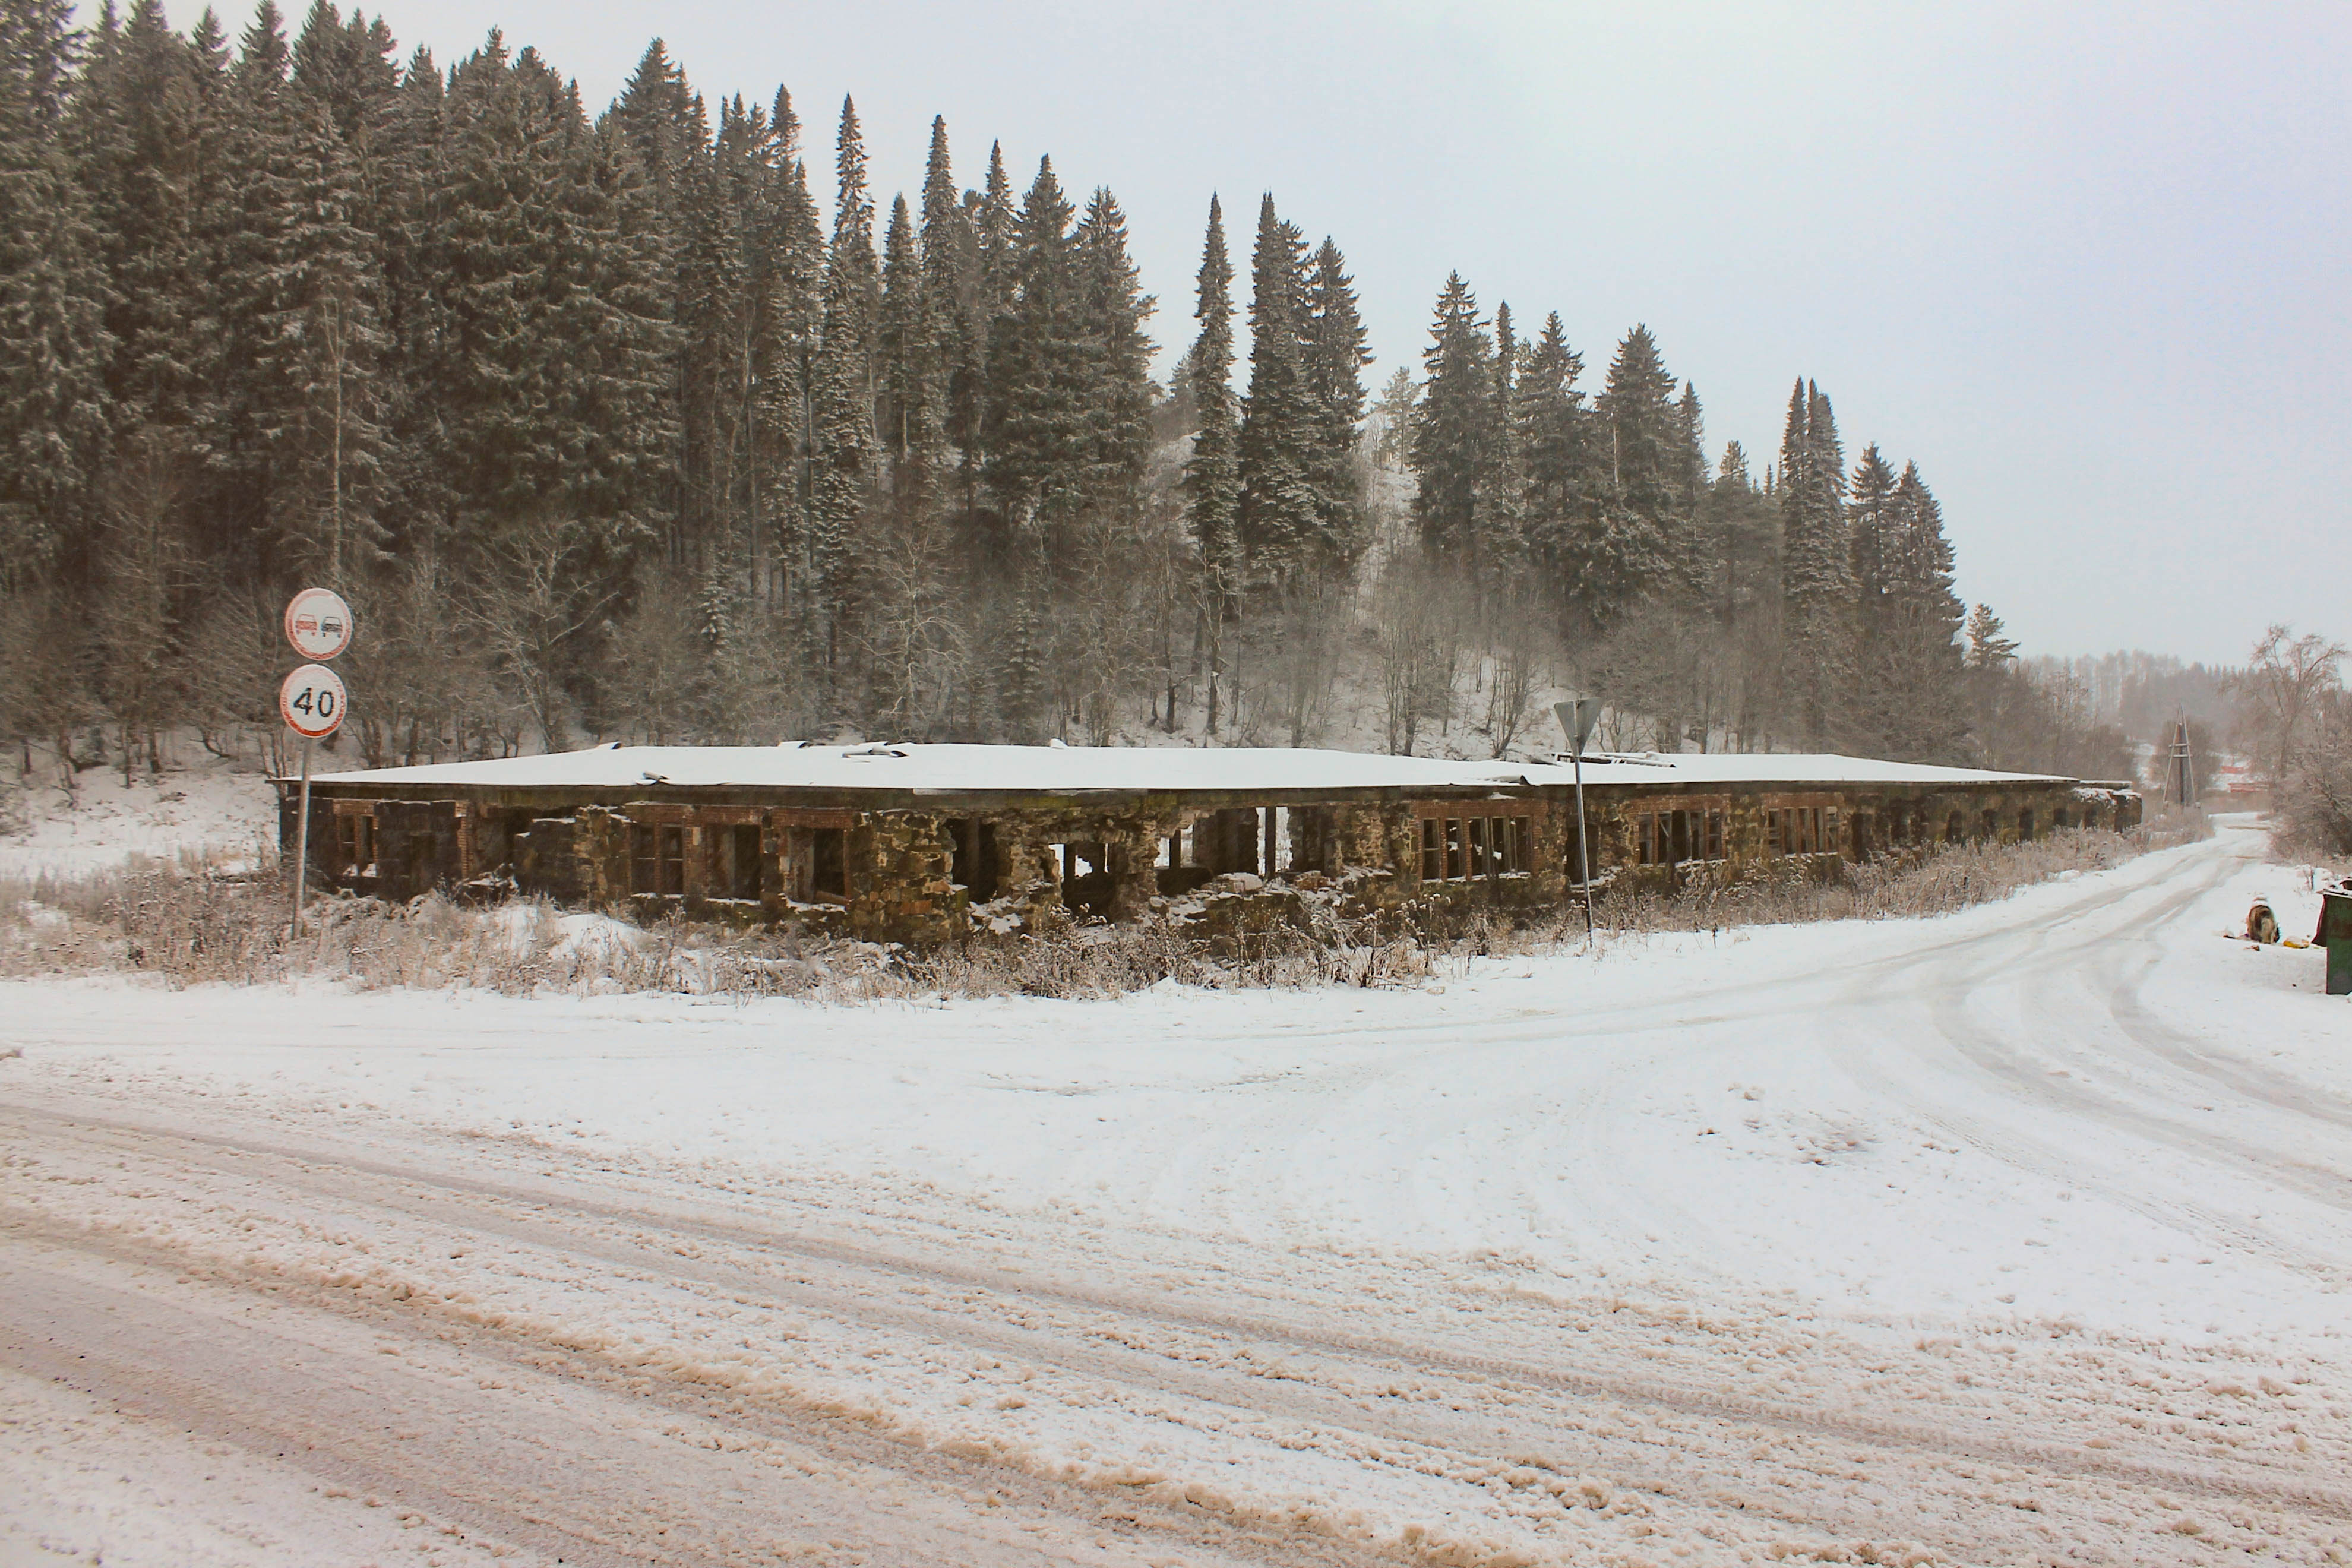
pixel 919 843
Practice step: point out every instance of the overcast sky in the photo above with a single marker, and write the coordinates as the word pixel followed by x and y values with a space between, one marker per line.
pixel 2085 263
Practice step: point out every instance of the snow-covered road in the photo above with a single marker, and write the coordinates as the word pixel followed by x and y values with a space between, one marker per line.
pixel 2021 1235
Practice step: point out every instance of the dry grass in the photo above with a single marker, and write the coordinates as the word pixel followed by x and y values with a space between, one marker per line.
pixel 1902 885
pixel 189 928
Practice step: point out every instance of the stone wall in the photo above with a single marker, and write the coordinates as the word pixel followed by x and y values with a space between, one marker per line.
pixel 897 865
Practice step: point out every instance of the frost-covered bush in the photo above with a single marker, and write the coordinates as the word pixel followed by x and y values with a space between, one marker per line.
pixel 190 927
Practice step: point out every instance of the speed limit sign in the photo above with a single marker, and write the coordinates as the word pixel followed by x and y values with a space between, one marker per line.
pixel 311 701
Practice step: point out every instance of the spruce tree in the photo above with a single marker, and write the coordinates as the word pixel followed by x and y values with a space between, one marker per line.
pixel 656 114
pixel 1648 447
pixel 1038 439
pixel 954 331
pixel 1817 583
pixel 1871 524
pixel 1212 470
pixel 317 348
pixel 1698 548
pixel 258 160
pixel 854 273
pixel 1279 515
pixel 841 454
pixel 53 407
pixel 347 66
pixel 554 350
pixel 1621 550
pixel 145 140
pixel 1988 648
pixel 1333 363
pixel 1554 443
pixel 901 345
pixel 1117 363
pixel 38 50
pixel 1502 493
pixel 409 152
pixel 789 242
pixel 1453 434
pixel 1915 678
pixel 996 223
pixel 612 320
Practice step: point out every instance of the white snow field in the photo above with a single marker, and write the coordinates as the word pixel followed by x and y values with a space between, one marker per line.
pixel 2018 1236
pixel 203 815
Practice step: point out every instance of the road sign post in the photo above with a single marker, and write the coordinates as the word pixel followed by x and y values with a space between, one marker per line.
pixel 313 702
pixel 1577 717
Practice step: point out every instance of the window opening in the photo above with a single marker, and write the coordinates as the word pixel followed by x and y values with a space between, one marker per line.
pixel 1677 837
pixel 828 863
pixel 1955 828
pixel 421 879
pixel 1989 825
pixel 1087 881
pixel 734 871
pixel 815 865
pixel 355 842
pixel 1465 849
pixel 2025 826
pixel 972 859
pixel 645 858
pixel 1800 830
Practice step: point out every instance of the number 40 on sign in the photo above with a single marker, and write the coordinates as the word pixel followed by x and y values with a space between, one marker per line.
pixel 311 701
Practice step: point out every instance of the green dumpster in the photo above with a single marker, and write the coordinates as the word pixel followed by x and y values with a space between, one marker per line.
pixel 2335 934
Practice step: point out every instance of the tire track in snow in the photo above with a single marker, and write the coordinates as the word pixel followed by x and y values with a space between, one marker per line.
pixel 647 1239
pixel 527 1440
pixel 2250 1080
pixel 1857 1016
pixel 1967 971
pixel 1590 1086
pixel 2076 1096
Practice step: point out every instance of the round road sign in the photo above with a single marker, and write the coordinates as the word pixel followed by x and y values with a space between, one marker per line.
pixel 313 702
pixel 319 623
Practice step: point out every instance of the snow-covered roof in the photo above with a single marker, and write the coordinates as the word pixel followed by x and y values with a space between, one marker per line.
pixel 1090 769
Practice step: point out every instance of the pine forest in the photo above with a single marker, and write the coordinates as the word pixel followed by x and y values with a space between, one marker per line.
pixel 666 423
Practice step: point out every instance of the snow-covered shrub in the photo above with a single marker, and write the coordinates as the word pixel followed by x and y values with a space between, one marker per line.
pixel 191 928
pixel 1906 884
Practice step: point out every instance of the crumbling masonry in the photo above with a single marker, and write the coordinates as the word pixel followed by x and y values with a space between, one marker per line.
pixel 840 839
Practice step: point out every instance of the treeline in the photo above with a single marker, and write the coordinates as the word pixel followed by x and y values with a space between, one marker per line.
pixel 608 428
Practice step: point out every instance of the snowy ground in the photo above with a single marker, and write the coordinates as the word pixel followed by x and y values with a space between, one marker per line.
pixel 2023 1234
pixel 203 813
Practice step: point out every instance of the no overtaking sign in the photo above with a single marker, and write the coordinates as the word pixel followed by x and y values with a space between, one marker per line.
pixel 319 623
